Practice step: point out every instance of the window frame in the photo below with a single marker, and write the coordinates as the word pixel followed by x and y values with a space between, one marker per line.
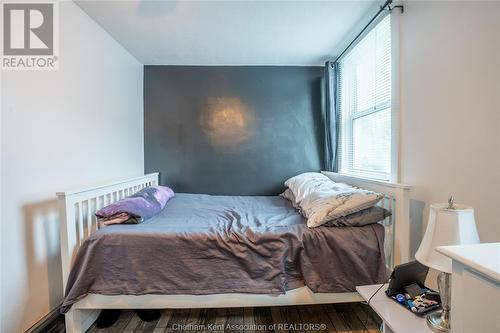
pixel 394 105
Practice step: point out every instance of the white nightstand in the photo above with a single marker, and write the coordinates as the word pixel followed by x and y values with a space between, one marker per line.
pixel 475 287
pixel 396 319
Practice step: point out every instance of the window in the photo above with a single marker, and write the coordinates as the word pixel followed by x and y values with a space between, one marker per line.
pixel 364 87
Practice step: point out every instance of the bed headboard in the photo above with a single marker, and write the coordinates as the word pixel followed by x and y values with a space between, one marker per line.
pixel 397 200
pixel 77 209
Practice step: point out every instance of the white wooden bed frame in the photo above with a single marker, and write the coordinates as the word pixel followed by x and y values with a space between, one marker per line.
pixel 78 222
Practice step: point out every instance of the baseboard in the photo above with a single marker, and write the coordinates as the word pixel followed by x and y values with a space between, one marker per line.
pixel 48 322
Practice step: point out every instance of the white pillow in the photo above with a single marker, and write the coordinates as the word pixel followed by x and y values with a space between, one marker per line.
pixel 322 200
pixel 303 184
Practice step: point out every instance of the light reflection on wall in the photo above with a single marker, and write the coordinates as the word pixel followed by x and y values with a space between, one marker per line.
pixel 226 121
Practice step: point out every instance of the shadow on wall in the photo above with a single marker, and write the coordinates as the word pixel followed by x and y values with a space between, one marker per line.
pixel 43 264
pixel 416 225
pixel 319 109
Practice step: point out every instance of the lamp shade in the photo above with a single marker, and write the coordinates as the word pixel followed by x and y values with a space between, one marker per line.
pixel 446 227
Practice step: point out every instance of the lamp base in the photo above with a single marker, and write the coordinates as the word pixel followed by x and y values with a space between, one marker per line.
pixel 437 322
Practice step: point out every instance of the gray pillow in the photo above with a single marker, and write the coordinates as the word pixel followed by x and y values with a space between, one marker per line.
pixel 366 216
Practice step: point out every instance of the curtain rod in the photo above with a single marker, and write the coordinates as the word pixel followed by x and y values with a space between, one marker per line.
pixel 387 5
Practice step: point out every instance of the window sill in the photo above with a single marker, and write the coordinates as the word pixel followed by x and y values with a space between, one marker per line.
pixel 347 177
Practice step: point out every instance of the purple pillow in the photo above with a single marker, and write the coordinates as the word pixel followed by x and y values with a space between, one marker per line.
pixel 140 206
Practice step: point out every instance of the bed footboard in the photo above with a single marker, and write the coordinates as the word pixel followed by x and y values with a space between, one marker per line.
pixel 80 320
pixel 78 208
pixel 77 211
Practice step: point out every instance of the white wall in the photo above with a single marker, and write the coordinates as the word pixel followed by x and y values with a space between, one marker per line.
pixel 80 125
pixel 450 95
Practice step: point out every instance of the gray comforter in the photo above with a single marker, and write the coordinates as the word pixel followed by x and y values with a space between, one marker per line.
pixel 201 244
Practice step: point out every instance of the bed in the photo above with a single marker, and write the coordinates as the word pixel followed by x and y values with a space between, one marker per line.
pixel 251 240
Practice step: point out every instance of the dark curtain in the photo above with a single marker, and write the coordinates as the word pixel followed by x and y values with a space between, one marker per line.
pixel 331 117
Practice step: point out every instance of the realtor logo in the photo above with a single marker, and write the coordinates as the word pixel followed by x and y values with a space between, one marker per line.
pixel 29 36
pixel 28 29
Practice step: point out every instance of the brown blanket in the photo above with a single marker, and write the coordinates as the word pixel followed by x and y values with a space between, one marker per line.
pixel 201 244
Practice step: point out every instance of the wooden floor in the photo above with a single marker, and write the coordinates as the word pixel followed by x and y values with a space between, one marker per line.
pixel 347 317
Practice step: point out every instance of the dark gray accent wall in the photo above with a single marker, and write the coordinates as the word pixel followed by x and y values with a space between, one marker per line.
pixel 232 130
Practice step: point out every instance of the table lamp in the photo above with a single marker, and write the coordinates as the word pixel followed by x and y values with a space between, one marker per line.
pixel 449 224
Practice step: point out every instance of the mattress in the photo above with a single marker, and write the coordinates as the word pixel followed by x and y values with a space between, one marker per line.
pixel 203 244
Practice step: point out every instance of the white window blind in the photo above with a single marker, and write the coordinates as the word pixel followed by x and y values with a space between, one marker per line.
pixel 364 86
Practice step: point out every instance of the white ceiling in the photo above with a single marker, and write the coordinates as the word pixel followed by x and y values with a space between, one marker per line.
pixel 230 32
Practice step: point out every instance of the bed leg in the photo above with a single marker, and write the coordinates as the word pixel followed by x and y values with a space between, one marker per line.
pixel 79 321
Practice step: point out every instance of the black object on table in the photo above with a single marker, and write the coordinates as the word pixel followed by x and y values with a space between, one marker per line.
pixel 407 287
